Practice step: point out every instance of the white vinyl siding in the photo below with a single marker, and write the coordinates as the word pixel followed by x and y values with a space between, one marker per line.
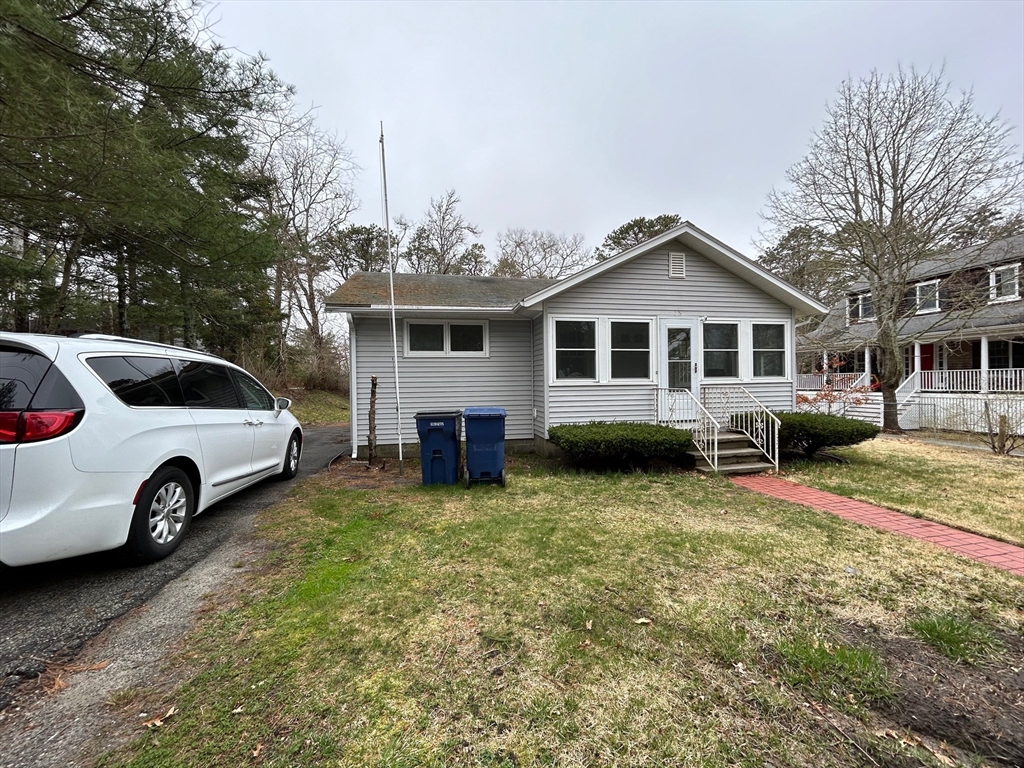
pixel 503 379
pixel 642 288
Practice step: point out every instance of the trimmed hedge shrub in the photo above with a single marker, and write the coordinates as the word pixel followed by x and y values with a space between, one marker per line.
pixel 810 432
pixel 626 445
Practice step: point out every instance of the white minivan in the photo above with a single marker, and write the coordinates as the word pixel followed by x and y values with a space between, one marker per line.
pixel 108 442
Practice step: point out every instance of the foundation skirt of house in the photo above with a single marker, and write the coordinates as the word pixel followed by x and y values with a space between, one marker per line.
pixel 412 450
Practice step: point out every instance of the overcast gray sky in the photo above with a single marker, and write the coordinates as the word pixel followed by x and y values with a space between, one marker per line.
pixel 576 117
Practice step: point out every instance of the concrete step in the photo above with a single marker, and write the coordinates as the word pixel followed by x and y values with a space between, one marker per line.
pixel 736 455
pixel 752 468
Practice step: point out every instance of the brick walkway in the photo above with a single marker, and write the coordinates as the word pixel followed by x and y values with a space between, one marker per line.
pixel 997 553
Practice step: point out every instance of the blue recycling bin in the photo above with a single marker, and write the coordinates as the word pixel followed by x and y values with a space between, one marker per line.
pixel 485 445
pixel 440 435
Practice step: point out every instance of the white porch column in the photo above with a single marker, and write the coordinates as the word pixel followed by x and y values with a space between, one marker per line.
pixel 917 357
pixel 867 364
pixel 984 363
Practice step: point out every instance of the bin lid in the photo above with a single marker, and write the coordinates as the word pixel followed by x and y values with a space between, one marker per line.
pixel 437 414
pixel 485 411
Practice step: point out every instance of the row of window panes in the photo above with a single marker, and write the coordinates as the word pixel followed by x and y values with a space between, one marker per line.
pixel 155 382
pixel 1004 284
pixel 442 338
pixel 576 349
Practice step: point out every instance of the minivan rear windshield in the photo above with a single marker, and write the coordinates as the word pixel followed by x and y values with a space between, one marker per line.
pixel 20 374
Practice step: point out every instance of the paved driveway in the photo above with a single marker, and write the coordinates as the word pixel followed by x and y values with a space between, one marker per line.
pixel 48 611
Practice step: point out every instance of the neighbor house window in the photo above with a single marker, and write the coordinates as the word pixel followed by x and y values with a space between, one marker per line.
pixel 1004 283
pixel 926 298
pixel 631 350
pixel 447 338
pixel 860 308
pixel 769 343
pixel 575 349
pixel 721 350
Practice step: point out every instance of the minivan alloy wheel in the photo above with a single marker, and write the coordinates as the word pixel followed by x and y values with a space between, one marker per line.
pixel 167 512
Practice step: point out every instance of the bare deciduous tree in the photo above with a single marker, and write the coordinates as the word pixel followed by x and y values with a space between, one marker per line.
pixel 440 242
pixel 533 253
pixel 897 175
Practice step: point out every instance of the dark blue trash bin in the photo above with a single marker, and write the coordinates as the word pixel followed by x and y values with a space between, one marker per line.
pixel 440 445
pixel 485 445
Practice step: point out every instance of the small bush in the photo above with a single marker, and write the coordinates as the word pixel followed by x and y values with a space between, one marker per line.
pixel 621 445
pixel 810 432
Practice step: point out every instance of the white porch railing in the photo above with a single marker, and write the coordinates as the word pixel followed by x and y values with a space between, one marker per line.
pixel 973 380
pixel 838 381
pixel 678 407
pixel 907 388
pixel 738 409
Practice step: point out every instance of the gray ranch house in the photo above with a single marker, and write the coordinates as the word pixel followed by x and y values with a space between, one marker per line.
pixel 680 330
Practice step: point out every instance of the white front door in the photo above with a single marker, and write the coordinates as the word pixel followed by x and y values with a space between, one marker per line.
pixel 678 372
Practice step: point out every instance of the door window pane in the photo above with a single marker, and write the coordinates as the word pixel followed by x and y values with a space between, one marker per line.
pixel 207 385
pixel 466 338
pixel 575 349
pixel 721 349
pixel 140 381
pixel 769 349
pixel 680 364
pixel 631 356
pixel 426 337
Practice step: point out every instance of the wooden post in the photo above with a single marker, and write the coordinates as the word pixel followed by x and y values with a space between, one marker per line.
pixel 371 435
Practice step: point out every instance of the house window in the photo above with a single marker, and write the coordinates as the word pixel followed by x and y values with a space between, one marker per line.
pixel 1004 283
pixel 631 350
pixel 428 339
pixel 769 343
pixel 860 308
pixel 575 349
pixel 927 296
pixel 467 337
pixel 721 350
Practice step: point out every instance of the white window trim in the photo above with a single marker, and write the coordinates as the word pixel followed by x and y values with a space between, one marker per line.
pixel 446 352
pixel 605 365
pixel 740 357
pixel 992 298
pixel 859 298
pixel 786 372
pixel 553 349
pixel 917 298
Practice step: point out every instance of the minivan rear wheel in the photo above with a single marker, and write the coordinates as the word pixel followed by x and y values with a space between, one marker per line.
pixel 162 515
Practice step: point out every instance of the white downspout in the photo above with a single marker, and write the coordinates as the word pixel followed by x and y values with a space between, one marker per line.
pixel 353 383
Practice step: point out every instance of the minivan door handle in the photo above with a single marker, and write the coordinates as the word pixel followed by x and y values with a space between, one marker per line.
pixel 249 423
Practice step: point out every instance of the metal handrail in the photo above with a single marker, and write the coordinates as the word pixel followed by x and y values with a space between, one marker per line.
pixel 745 413
pixel 704 428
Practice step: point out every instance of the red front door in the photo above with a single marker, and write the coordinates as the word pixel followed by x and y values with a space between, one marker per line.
pixel 927 357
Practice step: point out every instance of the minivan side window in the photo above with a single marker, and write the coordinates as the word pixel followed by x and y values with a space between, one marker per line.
pixel 255 397
pixel 207 385
pixel 142 382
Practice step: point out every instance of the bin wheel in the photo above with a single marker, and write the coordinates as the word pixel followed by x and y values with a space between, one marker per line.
pixel 503 478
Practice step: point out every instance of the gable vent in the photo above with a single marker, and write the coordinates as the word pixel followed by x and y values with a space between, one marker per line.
pixel 677 265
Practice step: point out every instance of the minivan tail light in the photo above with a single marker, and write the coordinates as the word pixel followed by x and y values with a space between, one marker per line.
pixel 33 426
pixel 9 426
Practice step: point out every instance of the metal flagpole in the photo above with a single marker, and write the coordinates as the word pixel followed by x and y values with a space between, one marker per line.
pixel 391 283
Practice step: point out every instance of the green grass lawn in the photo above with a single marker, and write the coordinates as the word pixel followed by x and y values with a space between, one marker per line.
pixel 969 489
pixel 576 620
pixel 314 408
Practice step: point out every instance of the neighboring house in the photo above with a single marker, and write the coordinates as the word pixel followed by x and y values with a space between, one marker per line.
pixel 963 336
pixel 679 330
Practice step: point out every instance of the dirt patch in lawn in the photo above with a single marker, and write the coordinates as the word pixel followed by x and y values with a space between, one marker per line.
pixel 977 708
pixel 383 473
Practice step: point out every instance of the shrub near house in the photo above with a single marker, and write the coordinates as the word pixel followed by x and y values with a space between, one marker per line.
pixel 810 432
pixel 621 445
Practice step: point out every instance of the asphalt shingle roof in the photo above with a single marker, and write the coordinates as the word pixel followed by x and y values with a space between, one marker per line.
pixel 365 289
